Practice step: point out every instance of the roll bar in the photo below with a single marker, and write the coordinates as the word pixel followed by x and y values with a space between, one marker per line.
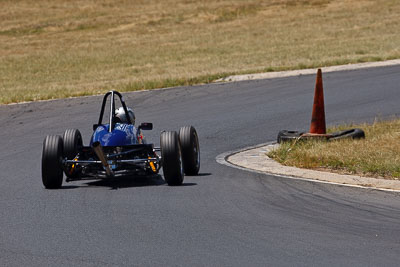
pixel 112 109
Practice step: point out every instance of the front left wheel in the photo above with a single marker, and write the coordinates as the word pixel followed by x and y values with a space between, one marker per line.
pixel 52 173
pixel 72 143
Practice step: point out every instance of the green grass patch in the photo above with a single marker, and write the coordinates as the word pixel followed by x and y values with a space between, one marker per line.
pixel 378 155
pixel 54 49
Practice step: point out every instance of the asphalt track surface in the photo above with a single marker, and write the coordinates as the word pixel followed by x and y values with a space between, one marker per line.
pixel 224 216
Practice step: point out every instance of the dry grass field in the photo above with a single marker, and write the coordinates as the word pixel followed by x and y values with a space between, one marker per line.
pixel 378 155
pixel 58 48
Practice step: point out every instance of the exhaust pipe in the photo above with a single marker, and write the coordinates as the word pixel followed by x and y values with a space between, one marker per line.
pixel 100 154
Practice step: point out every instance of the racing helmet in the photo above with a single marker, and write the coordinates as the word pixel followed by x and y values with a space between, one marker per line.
pixel 120 114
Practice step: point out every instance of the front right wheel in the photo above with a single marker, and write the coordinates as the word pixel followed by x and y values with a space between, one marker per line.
pixel 190 150
pixel 172 158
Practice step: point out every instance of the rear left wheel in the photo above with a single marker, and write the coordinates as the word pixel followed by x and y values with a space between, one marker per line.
pixel 52 173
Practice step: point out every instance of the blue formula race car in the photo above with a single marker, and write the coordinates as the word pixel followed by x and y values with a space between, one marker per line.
pixel 117 148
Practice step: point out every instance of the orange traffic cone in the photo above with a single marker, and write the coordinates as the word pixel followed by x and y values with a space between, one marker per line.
pixel 318 125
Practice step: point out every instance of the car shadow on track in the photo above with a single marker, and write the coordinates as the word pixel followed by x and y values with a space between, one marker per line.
pixel 69 187
pixel 202 174
pixel 128 182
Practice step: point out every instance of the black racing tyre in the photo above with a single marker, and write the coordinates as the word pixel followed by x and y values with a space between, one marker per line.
pixel 352 133
pixel 52 173
pixel 285 136
pixel 172 158
pixel 72 141
pixel 190 150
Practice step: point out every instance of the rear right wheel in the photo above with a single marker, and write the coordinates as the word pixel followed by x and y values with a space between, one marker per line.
pixel 52 173
pixel 172 158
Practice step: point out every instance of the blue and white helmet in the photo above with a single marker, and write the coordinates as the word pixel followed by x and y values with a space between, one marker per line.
pixel 120 114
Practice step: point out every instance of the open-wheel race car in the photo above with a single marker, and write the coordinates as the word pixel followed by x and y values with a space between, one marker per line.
pixel 117 148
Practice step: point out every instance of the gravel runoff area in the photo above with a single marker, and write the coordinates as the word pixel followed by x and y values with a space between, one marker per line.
pixel 256 159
